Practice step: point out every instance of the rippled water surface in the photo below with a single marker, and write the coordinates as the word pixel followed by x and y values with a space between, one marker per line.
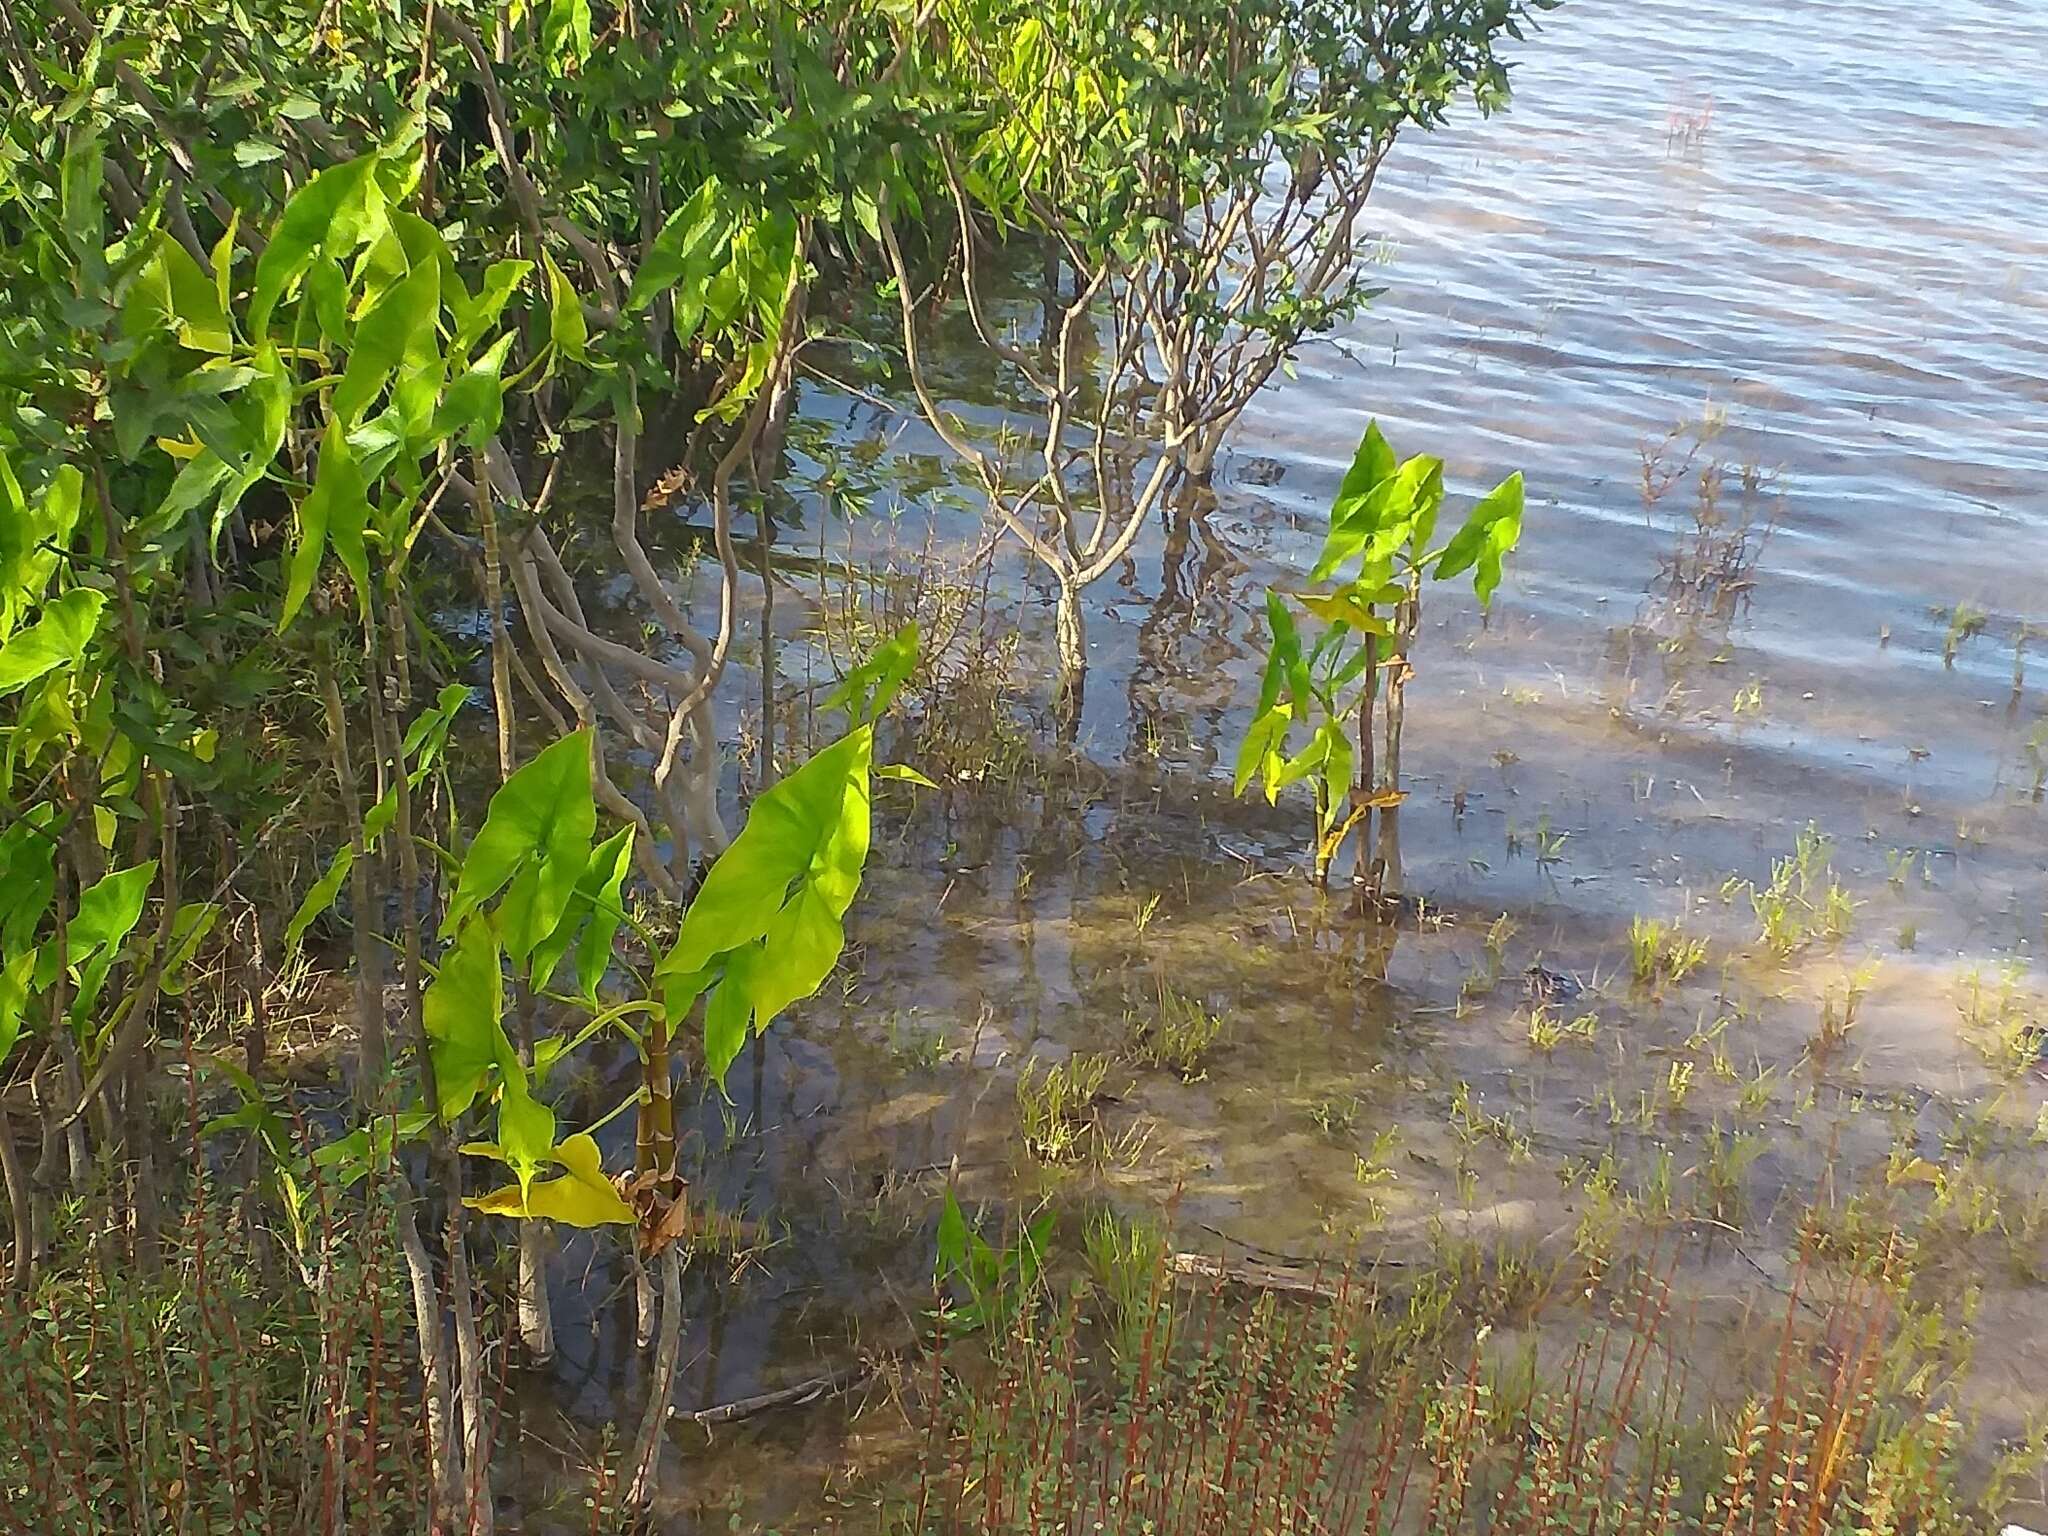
pixel 1798 246
pixel 1825 220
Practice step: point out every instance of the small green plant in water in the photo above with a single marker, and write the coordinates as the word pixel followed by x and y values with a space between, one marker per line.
pixel 1178 1036
pixel 1802 902
pixel 1658 949
pixel 1839 1007
pixel 1056 1109
pixel 1127 1260
pixel 983 1284
pixel 1548 1030
pixel 1965 622
pixel 1723 1169
pixel 914 1047
pixel 1347 682
pixel 1997 1020
pixel 1336 1117
pixel 1373 1171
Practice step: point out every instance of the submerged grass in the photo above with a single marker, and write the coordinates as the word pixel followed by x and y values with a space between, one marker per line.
pixel 1056 1108
pixel 1802 902
pixel 1662 951
pixel 1179 1035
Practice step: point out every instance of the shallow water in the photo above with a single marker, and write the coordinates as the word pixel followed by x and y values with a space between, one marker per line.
pixel 1776 227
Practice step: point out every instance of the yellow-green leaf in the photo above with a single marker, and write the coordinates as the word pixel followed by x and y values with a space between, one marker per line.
pixel 567 328
pixel 583 1197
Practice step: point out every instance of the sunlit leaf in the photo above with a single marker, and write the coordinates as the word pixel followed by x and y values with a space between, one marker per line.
pixel 591 918
pixel 107 913
pixel 189 928
pixel 335 211
pixel 394 332
pixel 567 328
pixel 17 978
pixel 526 1127
pixel 866 691
pixel 319 898
pixel 1261 752
pixel 1493 528
pixel 58 638
pixel 684 248
pixel 476 316
pixel 1344 607
pixel 474 405
pixel 771 908
pixel 536 839
pixel 465 1008
pixel 202 323
pixel 566 32
pixel 28 875
pixel 1396 511
pixel 584 1197
pixel 335 510
pixel 1371 465
pixel 34 533
pixel 81 175
pixel 952 1235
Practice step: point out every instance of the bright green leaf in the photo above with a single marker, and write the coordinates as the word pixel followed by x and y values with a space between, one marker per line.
pixel 567 328
pixel 535 838
pixel 335 510
pixel 318 899
pixel 338 209
pixel 684 247
pixel 58 638
pixel 865 692
pixel 465 1010
pixel 1493 528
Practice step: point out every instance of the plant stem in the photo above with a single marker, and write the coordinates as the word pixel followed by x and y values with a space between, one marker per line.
pixel 474 1460
pixel 21 1267
pixel 647 1448
pixel 372 1050
pixel 1361 850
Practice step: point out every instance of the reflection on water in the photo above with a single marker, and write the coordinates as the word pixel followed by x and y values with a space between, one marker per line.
pixel 1769 243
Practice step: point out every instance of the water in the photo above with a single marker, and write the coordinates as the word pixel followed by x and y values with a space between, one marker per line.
pixel 1814 235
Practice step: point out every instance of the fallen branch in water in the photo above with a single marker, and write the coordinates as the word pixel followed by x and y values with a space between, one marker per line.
pixel 1293 1280
pixel 834 1384
pixel 1295 1259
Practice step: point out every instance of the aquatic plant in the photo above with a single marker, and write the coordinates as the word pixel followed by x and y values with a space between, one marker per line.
pixel 1178 1034
pixel 1548 1030
pixel 231 1386
pixel 991 1283
pixel 1056 1107
pixel 1347 686
pixel 1662 950
pixel 1127 1261
pixel 1802 901
pixel 1965 622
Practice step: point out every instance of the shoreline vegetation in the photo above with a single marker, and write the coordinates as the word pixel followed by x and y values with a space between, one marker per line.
pixel 462 816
